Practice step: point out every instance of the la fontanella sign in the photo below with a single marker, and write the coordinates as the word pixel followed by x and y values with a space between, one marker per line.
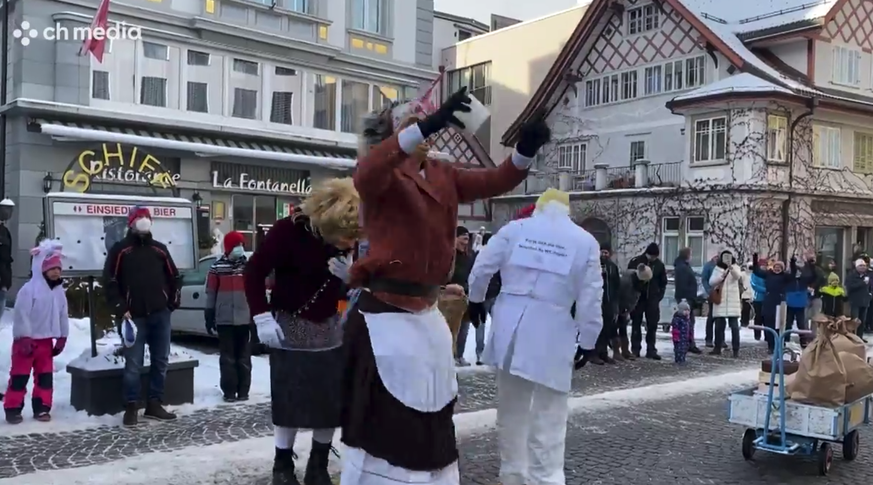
pixel 118 163
pixel 233 176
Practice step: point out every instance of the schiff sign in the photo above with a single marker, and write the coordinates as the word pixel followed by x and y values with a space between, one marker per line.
pixel 115 162
pixel 301 186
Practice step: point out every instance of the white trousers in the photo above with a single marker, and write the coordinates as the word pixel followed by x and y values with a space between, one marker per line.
pixel 361 468
pixel 532 428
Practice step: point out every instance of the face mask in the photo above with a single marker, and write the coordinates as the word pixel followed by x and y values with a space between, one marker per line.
pixel 143 224
pixel 237 252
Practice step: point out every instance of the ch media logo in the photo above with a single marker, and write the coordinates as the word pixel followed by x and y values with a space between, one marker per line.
pixel 116 31
pixel 25 34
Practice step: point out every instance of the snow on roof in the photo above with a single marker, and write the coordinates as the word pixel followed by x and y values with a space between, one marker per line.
pixel 752 15
pixel 741 83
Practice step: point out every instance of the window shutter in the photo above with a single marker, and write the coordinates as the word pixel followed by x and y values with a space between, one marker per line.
pixel 857 56
pixel 836 149
pixel 835 70
pixel 816 147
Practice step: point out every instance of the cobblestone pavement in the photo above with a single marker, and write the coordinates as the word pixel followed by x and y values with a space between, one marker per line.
pixel 23 454
pixel 679 441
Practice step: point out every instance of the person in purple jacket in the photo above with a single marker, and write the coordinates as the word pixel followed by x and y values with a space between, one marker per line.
pixel 307 253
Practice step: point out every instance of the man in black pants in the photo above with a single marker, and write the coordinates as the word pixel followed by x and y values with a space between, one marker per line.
pixel 609 309
pixel 648 306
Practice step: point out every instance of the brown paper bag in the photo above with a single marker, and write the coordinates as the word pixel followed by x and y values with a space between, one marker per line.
pixel 859 376
pixel 453 309
pixel 845 340
pixel 821 378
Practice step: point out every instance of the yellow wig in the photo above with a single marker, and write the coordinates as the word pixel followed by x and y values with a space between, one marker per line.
pixel 332 209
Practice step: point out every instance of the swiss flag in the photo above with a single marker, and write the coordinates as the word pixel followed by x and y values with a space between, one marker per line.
pixel 94 45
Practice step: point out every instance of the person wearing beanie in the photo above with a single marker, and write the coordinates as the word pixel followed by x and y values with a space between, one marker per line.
pixel 609 335
pixel 832 297
pixel 649 304
pixel 39 333
pixel 858 292
pixel 775 285
pixel 547 263
pixel 142 286
pixel 457 287
pixel 681 327
pixel 227 313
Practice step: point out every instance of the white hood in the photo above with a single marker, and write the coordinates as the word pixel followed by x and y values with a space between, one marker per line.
pixel 46 248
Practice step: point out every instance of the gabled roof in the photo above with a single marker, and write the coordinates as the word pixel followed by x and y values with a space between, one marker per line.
pixel 721 23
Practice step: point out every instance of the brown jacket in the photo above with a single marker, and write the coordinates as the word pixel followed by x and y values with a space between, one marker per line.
pixel 410 220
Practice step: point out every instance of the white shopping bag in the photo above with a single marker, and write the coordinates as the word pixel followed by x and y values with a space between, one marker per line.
pixel 128 333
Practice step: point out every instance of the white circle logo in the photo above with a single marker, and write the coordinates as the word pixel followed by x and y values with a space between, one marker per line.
pixel 25 33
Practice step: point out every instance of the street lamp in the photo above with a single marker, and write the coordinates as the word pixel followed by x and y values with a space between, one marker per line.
pixel 197 199
pixel 47 182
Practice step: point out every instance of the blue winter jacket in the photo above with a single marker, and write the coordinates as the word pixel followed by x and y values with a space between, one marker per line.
pixel 705 275
pixel 758 287
pixel 796 294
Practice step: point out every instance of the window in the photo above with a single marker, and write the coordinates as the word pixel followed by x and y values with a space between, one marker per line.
pixel 246 67
pixel 710 139
pixel 637 150
pixel 673 75
pixel 245 103
pixel 464 35
pixel 100 85
pixel 592 92
pixel 847 66
pixel 653 80
pixel 777 138
pixel 324 103
pixel 197 58
pixel 642 19
pixel 159 52
pixel 610 89
pixel 572 157
pixel 863 162
pixel 670 239
pixel 694 239
pixel 301 6
pixel 826 146
pixel 694 72
pixel 281 109
pixel 367 15
pixel 197 278
pixel 629 85
pixel 383 96
pixel 153 91
pixel 477 78
pixel 198 97
pixel 285 71
pixel 355 104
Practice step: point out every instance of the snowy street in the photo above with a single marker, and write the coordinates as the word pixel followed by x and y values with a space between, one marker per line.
pixel 678 412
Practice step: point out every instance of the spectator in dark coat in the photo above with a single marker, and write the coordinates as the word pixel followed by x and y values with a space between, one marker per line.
pixel 858 292
pixel 463 265
pixel 609 309
pixel 648 306
pixel 684 279
pixel 776 281
pixel 629 295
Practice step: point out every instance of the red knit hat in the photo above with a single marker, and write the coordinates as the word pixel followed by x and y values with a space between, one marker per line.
pixel 232 240
pixel 137 212
pixel 525 212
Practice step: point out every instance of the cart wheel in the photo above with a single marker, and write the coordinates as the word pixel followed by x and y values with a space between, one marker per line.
pixel 749 443
pixel 851 445
pixel 825 458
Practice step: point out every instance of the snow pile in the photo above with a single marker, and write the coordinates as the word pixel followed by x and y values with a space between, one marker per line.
pixel 78 351
pixel 110 355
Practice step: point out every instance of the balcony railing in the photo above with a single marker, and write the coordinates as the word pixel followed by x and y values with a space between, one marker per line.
pixel 655 175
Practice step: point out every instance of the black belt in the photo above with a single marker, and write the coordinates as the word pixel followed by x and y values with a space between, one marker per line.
pixel 403 288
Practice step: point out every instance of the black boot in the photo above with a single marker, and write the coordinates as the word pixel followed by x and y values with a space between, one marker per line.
pixel 653 354
pixel 154 410
pixel 283 468
pixel 316 467
pixel 131 417
pixel 13 416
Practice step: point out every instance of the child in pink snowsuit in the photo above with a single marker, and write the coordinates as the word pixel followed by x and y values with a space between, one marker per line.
pixel 39 333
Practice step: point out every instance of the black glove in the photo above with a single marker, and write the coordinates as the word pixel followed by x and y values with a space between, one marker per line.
pixel 445 115
pixel 477 313
pixel 532 135
pixel 582 357
pixel 755 260
pixel 210 321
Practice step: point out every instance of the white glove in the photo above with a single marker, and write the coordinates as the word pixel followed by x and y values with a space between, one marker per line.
pixel 269 331
pixel 340 267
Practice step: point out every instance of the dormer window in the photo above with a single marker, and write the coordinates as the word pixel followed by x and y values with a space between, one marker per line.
pixel 643 19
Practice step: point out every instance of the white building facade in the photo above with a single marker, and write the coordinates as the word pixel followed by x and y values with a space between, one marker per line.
pixel 739 125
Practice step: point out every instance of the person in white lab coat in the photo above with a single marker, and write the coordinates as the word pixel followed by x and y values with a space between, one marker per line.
pixel 547 263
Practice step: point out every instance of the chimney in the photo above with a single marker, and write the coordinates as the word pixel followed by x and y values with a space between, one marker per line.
pixel 565 181
pixel 641 173
pixel 600 176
